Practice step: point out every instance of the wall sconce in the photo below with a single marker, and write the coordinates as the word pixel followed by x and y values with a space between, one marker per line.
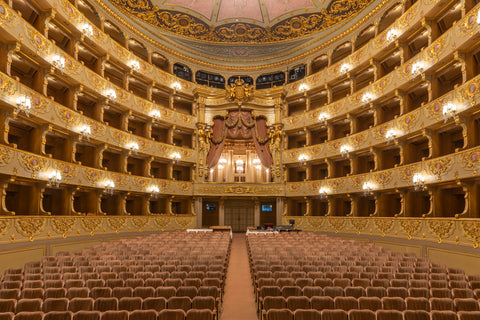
pixel 303 158
pixel 176 86
pixel 345 150
pixel 367 97
pixel 85 131
pixel 87 30
pixel 54 177
pixel 419 181
pixel 175 156
pixel 222 161
pixel 324 191
pixel 322 117
pixel 418 67
pixel 153 189
pixel 220 167
pixel 392 34
pixel 367 187
pixel 24 104
pixel 345 67
pixel 391 134
pixel 58 62
pixel 155 114
pixel 109 186
pixel 134 64
pixel 449 110
pixel 478 17
pixel 303 88
pixel 132 146
pixel 111 94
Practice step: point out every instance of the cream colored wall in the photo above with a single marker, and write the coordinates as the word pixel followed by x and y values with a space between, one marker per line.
pixel 467 261
pixel 18 257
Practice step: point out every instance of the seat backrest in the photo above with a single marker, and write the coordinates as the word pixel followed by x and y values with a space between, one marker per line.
pixel 334 315
pixel 165 292
pixel 310 291
pixel 321 302
pixel 176 314
pixel 389 315
pixel 393 303
pixel 80 304
pixel 55 304
pixel 466 304
pixel 29 305
pixel 443 315
pixel 114 315
pixel 361 315
pixel 370 303
pixel 442 304
pixel 184 303
pixel 87 315
pixel 58 315
pixel 205 303
pixel 130 303
pixel 345 303
pixel 279 314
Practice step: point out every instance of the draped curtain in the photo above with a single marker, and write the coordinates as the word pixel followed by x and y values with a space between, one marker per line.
pixel 240 125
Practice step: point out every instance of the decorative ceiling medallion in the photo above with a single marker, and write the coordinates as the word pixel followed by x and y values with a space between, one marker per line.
pixel 186 25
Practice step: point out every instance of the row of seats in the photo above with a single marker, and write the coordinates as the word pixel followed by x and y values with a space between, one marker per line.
pixel 357 292
pixel 107 292
pixel 301 314
pixel 106 304
pixel 370 303
pixel 313 271
pixel 158 272
pixel 166 314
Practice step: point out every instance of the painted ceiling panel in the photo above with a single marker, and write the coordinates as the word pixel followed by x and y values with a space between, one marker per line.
pixel 277 8
pixel 234 9
pixel 204 7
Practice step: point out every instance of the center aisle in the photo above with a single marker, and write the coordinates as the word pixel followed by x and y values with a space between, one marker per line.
pixel 239 301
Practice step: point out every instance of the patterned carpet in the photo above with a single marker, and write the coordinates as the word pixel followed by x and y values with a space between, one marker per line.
pixel 239 301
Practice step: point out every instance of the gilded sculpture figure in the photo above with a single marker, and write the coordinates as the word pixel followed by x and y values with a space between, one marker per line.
pixel 239 91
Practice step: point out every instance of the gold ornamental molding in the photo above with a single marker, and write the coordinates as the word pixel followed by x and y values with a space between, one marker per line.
pixel 34 228
pixel 463 232
pixel 467 95
pixel 242 190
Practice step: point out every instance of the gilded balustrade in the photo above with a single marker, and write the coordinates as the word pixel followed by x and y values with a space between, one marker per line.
pixel 16 29
pixel 21 164
pixel 35 228
pixel 453 167
pixel 77 20
pixel 463 232
pixel 408 22
pixel 428 116
pixel 70 120
pixel 457 38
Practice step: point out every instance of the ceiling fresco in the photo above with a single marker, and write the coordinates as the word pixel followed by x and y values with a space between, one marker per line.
pixel 241 21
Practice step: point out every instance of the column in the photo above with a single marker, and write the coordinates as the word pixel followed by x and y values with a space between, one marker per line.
pixel 221 213
pixel 257 212
pixel 199 211
pixel 279 211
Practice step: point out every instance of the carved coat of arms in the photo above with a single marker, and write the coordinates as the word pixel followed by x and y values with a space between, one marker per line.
pixel 239 91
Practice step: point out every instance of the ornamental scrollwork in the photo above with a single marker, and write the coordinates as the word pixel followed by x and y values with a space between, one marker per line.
pixel 384 225
pixel 472 231
pixel 62 225
pixel 32 163
pixel 291 28
pixel 139 222
pixel 441 228
pixel 116 223
pixel 4 225
pixel 337 223
pixel 315 222
pixel 161 222
pixel 91 224
pixel 359 224
pixel 30 226
pixel 471 160
pixel 411 227
pixel 6 156
pixel 183 222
